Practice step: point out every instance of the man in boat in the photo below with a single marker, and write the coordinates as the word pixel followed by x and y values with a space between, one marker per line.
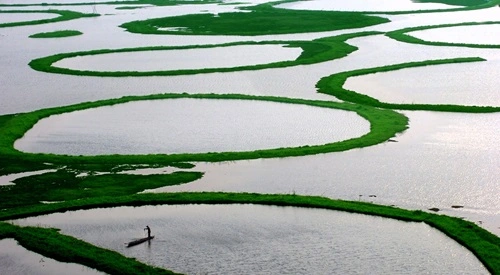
pixel 149 231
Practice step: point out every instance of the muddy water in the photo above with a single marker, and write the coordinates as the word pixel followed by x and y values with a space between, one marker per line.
pixel 238 239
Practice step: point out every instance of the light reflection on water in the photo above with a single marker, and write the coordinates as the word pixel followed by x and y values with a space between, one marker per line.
pixel 190 126
pixel 22 17
pixel 476 34
pixel 238 239
pixel 16 260
pixel 443 159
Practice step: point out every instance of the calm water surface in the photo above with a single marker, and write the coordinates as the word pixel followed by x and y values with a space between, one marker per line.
pixel 190 126
pixel 220 57
pixel 477 34
pixel 473 84
pixel 238 239
pixel 444 159
pixel 16 260
pixel 20 17
pixel 363 5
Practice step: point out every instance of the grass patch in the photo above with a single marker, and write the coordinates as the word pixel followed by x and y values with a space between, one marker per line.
pixel 65 15
pixel 482 243
pixel 403 36
pixel 260 20
pixel 384 124
pixel 64 185
pixel 333 85
pixel 316 51
pixel 56 34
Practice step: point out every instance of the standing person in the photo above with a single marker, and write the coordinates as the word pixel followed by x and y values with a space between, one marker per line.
pixel 149 231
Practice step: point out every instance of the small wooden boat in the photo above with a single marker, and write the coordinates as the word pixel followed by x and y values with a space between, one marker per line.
pixel 139 241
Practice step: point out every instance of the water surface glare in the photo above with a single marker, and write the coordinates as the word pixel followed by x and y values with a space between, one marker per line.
pixel 242 239
pixel 15 259
pixel 23 17
pixel 190 126
pixel 219 57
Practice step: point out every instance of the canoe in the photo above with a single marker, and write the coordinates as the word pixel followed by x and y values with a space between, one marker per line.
pixel 139 241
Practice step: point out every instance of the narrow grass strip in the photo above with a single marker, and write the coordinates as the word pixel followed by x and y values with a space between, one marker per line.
pixel 316 51
pixel 384 124
pixel 333 85
pixel 56 34
pixel 52 244
pixel 403 36
pixel 65 15
pixel 480 242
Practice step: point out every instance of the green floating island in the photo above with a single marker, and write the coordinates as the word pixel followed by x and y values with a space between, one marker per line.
pixel 403 36
pixel 65 15
pixel 259 20
pixel 56 34
pixel 315 51
pixel 333 85
pixel 384 124
pixel 483 244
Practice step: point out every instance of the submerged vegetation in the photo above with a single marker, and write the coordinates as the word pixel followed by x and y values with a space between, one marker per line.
pixel 315 51
pixel 56 34
pixel 479 241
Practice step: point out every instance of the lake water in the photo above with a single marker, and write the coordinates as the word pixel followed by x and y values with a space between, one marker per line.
pixel 476 34
pixel 219 57
pixel 363 5
pixel 442 160
pixel 22 17
pixel 237 239
pixel 425 85
pixel 190 126
pixel 16 260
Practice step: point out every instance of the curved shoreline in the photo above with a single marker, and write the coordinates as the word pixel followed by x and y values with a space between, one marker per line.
pixel 483 244
pixel 316 51
pixel 333 85
pixel 384 124
pixel 65 15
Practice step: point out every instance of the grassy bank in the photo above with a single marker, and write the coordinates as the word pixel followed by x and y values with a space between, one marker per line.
pixel 65 15
pixel 262 19
pixel 483 244
pixel 316 51
pixel 384 124
pixel 56 34
pixel 403 36
pixel 50 243
pixel 333 85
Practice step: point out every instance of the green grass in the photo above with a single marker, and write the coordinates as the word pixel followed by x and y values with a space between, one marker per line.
pixel 64 16
pixel 316 51
pixel 480 242
pixel 64 185
pixel 52 244
pixel 384 124
pixel 260 20
pixel 333 85
pixel 56 34
pixel 403 36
